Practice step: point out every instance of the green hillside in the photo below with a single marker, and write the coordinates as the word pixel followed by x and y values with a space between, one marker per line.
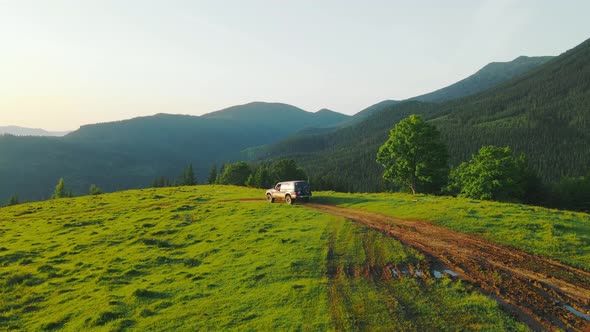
pixel 194 258
pixel 544 113
pixel 131 153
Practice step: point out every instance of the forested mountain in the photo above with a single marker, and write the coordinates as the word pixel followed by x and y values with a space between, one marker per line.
pixel 543 113
pixel 289 118
pixel 372 110
pixel 485 78
pixel 131 153
pixel 22 131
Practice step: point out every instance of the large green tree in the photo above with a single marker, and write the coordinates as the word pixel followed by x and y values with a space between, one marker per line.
pixel 414 156
pixel 494 173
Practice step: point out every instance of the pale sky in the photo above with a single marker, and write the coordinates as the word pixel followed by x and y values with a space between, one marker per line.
pixel 68 63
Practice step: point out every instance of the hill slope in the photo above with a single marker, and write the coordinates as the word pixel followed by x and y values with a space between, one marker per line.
pixel 544 113
pixel 131 153
pixel 192 258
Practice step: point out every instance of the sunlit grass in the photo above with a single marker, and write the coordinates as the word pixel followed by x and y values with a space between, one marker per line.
pixel 196 258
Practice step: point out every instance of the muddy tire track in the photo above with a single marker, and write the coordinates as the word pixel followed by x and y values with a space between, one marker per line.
pixel 543 293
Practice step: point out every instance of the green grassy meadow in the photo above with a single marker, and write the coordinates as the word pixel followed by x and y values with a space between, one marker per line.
pixel 195 258
pixel 560 235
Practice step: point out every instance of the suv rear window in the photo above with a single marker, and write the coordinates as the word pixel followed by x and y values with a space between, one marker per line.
pixel 301 186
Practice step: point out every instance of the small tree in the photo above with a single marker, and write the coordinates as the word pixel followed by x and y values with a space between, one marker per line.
pixel 221 170
pixel 188 176
pixel 414 156
pixel 235 174
pixel 494 173
pixel 60 190
pixel 212 175
pixel 160 182
pixel 13 200
pixel 94 190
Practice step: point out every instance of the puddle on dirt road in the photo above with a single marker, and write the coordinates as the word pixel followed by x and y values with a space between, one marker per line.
pixel 451 273
pixel 572 310
pixel 577 313
pixel 397 273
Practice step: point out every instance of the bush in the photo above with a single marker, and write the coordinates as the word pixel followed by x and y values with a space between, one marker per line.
pixel 94 190
pixel 492 174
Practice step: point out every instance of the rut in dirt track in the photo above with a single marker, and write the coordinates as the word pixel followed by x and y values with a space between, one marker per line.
pixel 542 292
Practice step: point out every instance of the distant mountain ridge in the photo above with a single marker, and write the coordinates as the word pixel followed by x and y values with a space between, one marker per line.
pixel 131 153
pixel 271 114
pixel 23 131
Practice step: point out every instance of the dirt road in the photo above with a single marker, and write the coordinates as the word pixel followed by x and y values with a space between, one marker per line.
pixel 543 293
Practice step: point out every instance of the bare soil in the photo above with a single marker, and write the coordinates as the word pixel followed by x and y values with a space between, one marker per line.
pixel 545 294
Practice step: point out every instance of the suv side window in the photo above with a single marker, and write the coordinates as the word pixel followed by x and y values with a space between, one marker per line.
pixel 278 187
pixel 288 187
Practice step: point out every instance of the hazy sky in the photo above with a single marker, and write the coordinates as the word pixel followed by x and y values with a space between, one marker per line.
pixel 68 63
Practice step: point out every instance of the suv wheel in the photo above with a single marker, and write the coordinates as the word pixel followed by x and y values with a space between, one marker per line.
pixel 269 198
pixel 288 199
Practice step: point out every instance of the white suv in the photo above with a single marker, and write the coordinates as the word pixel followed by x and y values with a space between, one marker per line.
pixel 289 191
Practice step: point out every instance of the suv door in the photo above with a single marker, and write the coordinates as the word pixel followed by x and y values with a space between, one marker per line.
pixel 287 189
pixel 279 194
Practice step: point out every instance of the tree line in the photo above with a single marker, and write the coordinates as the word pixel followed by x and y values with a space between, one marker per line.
pixel 262 175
